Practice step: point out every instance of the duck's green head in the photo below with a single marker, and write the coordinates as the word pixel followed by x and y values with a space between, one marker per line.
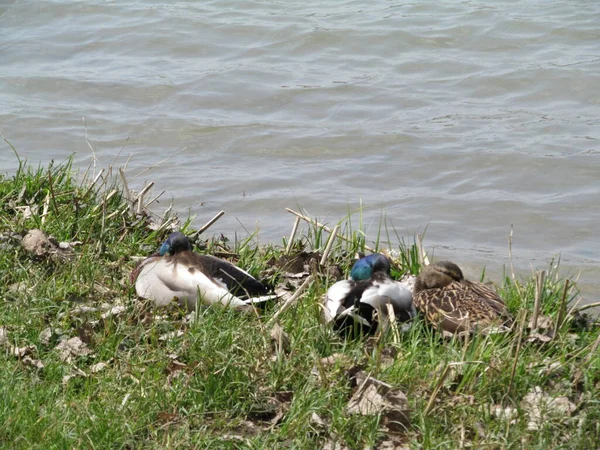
pixel 175 243
pixel 365 267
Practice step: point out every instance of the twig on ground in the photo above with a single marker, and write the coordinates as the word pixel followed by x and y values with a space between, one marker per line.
pixel 291 300
pixel 329 245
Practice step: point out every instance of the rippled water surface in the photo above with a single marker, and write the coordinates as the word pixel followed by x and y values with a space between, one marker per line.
pixel 462 117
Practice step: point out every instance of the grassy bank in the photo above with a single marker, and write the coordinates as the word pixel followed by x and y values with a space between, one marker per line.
pixel 87 365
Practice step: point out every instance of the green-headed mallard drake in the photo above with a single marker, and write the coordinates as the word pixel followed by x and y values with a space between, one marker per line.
pixel 177 272
pixel 455 305
pixel 352 302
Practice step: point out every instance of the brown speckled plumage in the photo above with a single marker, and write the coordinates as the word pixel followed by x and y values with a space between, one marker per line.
pixel 455 305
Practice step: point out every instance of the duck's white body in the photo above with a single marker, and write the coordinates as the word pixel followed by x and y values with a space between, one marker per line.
pixel 190 277
pixel 346 299
pixel 163 281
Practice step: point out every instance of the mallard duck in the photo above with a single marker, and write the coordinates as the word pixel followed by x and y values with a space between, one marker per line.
pixel 353 302
pixel 455 305
pixel 175 271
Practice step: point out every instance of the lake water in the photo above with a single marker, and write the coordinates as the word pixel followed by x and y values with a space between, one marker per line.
pixel 462 117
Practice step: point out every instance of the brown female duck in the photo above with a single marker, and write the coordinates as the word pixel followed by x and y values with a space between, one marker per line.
pixel 455 305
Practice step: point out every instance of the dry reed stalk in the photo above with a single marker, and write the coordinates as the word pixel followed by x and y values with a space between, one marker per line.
pixel 106 198
pixel 154 199
pixel 588 306
pixel 93 183
pixel 140 198
pixel 118 211
pixel 562 309
pixel 291 300
pixel 510 258
pixel 208 224
pixel 127 191
pixel 393 323
pixel 290 244
pixel 46 207
pixel 325 227
pixel 539 290
pixel 329 245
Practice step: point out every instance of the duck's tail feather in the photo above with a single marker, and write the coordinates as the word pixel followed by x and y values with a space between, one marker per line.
pixel 261 299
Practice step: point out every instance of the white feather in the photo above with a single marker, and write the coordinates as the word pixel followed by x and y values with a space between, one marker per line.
pixel 334 299
pixel 393 291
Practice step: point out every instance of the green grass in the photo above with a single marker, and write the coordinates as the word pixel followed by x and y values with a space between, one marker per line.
pixel 219 383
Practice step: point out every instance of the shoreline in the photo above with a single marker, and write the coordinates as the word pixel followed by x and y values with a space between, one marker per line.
pixel 87 363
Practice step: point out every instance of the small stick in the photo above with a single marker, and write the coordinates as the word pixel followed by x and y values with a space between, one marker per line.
pixel 393 322
pixel 329 245
pixel 208 224
pixel 291 300
pixel 588 306
pixel 118 211
pixel 539 288
pixel 98 176
pixel 288 249
pixel 103 202
pixel 93 183
pixel 46 206
pixel 167 213
pixel 562 310
pixel 167 223
pixel 325 227
pixel 126 189
pixel 154 199
pixel 510 258
pixel 140 198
